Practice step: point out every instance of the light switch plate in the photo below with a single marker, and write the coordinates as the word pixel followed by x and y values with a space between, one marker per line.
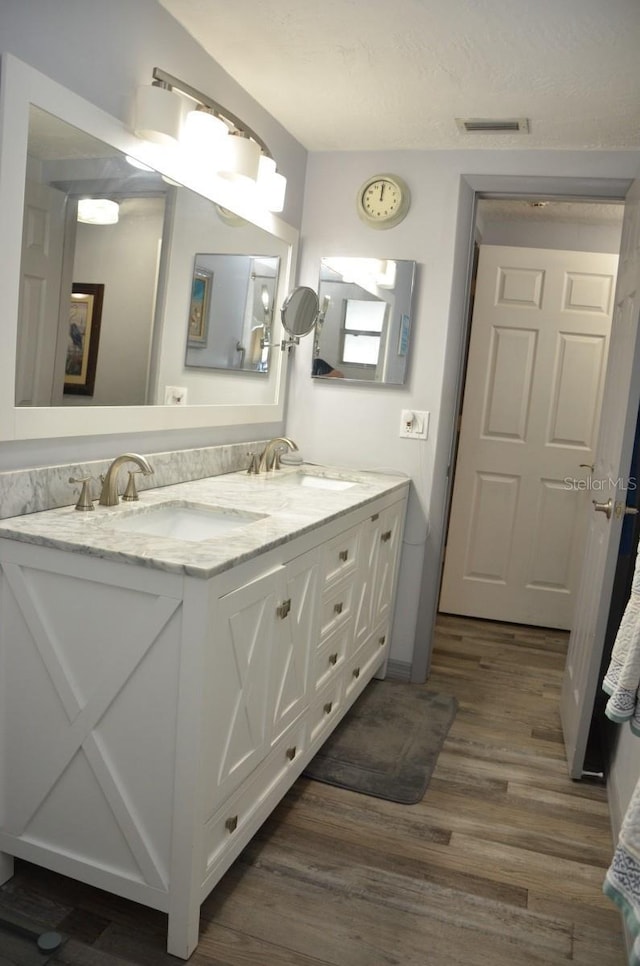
pixel 414 424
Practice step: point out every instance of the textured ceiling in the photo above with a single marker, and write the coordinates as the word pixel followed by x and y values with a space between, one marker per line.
pixel 394 74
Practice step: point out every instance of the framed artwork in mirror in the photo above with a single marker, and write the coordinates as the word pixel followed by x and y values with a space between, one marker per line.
pixel 85 316
pixel 199 307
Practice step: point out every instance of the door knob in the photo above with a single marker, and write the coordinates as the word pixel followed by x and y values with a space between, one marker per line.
pixel 621 510
pixel 605 508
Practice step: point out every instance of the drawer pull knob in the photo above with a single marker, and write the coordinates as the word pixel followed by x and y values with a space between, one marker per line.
pixel 291 753
pixel 382 639
pixel 338 607
pixel 374 517
pixel 284 608
pixel 231 823
pixel 344 555
pixel 333 658
pixel 356 672
pixel 386 536
pixel 327 707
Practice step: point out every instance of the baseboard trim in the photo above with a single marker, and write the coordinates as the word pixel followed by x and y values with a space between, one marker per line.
pixel 399 670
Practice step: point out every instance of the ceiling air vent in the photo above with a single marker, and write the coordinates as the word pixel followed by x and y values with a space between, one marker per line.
pixel 485 125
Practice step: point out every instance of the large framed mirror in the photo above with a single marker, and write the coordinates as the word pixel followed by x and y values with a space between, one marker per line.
pixel 363 331
pixel 55 150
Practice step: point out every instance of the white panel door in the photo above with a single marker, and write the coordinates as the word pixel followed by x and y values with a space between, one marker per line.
pixel 42 241
pixel 535 378
pixel 612 463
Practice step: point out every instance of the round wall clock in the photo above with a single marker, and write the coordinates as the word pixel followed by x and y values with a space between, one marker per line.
pixel 383 200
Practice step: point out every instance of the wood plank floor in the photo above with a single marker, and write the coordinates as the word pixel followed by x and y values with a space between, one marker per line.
pixel 502 862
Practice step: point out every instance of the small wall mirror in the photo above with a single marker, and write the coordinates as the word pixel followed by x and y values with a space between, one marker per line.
pixel 231 311
pixel 363 330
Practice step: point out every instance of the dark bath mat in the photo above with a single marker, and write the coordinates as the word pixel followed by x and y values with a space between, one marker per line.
pixel 388 743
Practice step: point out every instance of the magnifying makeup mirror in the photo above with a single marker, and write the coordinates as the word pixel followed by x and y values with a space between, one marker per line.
pixel 299 314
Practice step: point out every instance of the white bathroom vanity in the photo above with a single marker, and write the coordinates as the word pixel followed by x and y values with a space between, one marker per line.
pixel 159 692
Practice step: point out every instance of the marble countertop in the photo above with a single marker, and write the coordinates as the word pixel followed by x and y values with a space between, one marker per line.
pixel 282 505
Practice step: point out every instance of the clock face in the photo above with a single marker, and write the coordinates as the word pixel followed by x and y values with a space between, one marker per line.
pixel 383 201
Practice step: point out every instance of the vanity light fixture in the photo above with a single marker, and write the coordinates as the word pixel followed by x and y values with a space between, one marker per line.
pixel 204 132
pixel 170 111
pixel 271 185
pixel 98 211
pixel 158 113
pixel 241 158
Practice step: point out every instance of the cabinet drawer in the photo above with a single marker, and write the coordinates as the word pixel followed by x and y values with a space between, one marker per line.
pixel 227 825
pixel 330 656
pixel 361 666
pixel 340 556
pixel 323 713
pixel 337 607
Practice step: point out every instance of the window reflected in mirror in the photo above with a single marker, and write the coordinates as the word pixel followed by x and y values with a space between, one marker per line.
pixel 364 327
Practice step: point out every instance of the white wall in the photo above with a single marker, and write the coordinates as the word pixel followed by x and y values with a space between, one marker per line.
pixel 358 425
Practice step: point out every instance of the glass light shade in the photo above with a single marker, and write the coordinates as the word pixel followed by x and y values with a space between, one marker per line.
pixel 158 114
pixel 204 132
pixel 277 191
pixel 98 211
pixel 266 170
pixel 241 158
pixel 271 186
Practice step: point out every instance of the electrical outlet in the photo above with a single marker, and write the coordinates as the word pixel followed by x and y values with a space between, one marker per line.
pixel 175 395
pixel 414 424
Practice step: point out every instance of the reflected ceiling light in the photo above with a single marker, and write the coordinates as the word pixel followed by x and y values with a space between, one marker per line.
pixel 171 110
pixel 98 211
pixel 158 114
pixel 137 164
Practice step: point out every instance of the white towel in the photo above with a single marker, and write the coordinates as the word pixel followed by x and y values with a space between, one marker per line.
pixel 622 881
pixel 622 679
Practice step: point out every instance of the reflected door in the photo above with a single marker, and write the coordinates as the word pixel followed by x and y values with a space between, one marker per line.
pixel 41 267
pixel 531 410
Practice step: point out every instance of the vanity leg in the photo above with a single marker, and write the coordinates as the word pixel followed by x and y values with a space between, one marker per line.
pixel 6 867
pixel 183 931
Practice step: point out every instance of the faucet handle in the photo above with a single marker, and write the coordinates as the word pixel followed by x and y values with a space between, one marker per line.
pixel 131 493
pixel 84 500
pixel 253 464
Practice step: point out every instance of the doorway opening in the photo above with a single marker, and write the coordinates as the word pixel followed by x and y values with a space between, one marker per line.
pixel 520 223
pixel 534 366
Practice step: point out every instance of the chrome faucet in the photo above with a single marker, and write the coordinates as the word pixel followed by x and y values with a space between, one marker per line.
pixel 109 493
pixel 270 459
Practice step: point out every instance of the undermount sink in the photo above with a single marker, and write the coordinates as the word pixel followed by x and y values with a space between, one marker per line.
pixel 183 521
pixel 324 482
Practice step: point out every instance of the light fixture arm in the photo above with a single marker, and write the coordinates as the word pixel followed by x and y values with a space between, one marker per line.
pixel 173 83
